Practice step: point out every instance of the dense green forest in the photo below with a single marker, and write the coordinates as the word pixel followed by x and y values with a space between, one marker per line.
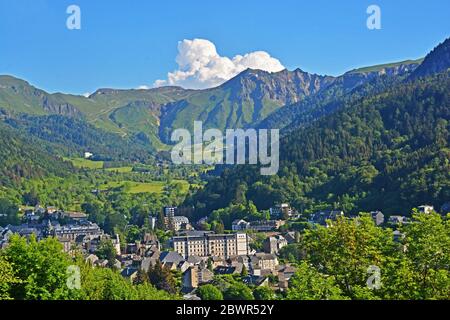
pixel 67 136
pixel 385 152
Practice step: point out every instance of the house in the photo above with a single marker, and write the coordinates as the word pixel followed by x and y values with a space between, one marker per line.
pixel 150 261
pixel 274 244
pixel 217 261
pixel 265 226
pixel 129 273
pixel 258 281
pixel 91 259
pixel 263 263
pixel 67 245
pixel 72 231
pixel 25 230
pixel 378 217
pixel 196 276
pixel 397 220
pixel 240 262
pixel 281 211
pixel 426 209
pixel 74 216
pixel 31 217
pixel 170 257
pixel 194 260
pixel 322 217
pixel 169 211
pixel 239 225
pixel 51 210
pixel 200 223
pixel 180 223
pixel 5 234
pixel 222 270
pixel 285 273
pixel 183 266
pixel 291 237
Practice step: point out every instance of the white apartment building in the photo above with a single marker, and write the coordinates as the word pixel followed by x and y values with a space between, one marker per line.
pixel 219 245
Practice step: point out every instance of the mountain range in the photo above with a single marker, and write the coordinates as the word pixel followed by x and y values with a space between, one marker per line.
pixel 254 98
pixel 375 137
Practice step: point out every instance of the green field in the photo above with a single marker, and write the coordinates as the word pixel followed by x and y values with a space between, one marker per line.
pixel 143 187
pixel 85 163
pixel 120 170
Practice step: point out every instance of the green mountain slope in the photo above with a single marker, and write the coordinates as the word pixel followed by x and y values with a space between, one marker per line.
pixel 116 111
pixel 19 96
pixel 343 91
pixel 389 152
pixel 70 137
pixel 242 101
pixel 23 158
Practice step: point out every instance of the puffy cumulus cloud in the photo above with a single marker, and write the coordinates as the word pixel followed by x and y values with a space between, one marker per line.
pixel 200 66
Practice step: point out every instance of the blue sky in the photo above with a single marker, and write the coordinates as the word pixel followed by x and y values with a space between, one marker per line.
pixel 125 44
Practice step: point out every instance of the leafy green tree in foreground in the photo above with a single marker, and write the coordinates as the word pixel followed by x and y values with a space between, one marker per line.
pixel 7 279
pixel 238 291
pixel 347 248
pixel 309 284
pixel 263 293
pixel 41 268
pixel 31 270
pixel 209 292
pixel 106 250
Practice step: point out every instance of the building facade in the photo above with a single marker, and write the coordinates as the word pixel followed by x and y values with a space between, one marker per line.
pixel 219 245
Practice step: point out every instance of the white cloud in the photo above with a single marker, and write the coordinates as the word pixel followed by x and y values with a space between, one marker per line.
pixel 143 87
pixel 86 95
pixel 200 66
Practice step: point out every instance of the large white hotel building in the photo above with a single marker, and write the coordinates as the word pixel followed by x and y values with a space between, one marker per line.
pixel 207 245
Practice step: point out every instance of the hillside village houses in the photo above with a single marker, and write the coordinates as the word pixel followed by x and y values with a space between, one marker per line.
pixel 197 255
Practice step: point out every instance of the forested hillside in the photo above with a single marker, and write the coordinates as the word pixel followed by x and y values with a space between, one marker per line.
pixel 22 158
pixel 388 152
pixel 71 137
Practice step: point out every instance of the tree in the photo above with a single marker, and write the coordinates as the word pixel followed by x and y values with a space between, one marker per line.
pixel 141 278
pixel 347 248
pixel 238 291
pixel 107 284
pixel 133 234
pixel 161 221
pixel 308 284
pixel 263 293
pixel 106 250
pixel 244 272
pixel 427 240
pixel 162 278
pixel 7 279
pixel 209 292
pixel 210 264
pixel 8 213
pixel 41 268
pixel 219 228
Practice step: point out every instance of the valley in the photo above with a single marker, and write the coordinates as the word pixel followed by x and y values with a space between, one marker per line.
pixel 363 183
